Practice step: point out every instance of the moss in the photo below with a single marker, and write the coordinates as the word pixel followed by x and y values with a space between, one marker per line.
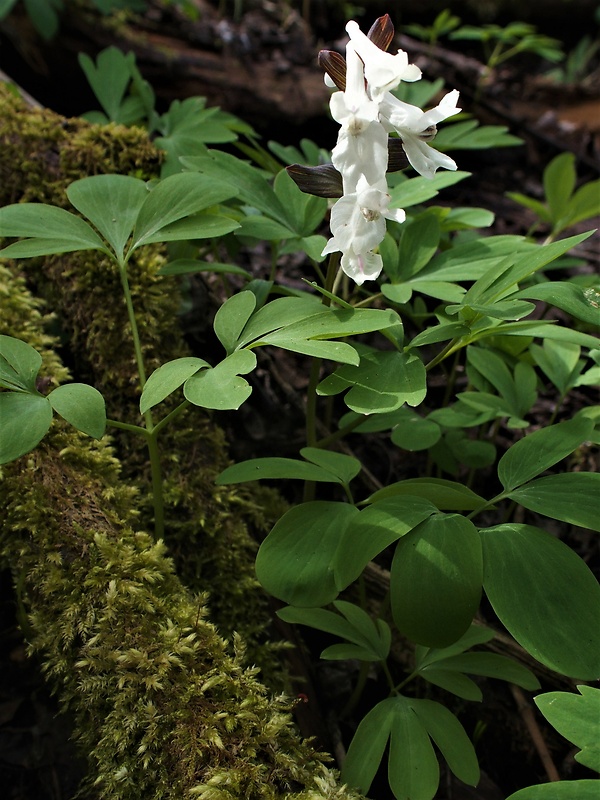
pixel 207 528
pixel 160 704
pixel 162 708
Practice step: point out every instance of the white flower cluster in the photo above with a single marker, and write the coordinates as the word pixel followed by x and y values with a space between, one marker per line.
pixel 367 112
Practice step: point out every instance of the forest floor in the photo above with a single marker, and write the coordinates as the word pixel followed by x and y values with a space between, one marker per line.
pixel 259 58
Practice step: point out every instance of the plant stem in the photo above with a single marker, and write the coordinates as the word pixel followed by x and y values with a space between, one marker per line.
pixel 125 426
pixel 401 685
pixel 151 440
pixel 157 486
pixel 139 358
pixel 444 353
pixel 171 416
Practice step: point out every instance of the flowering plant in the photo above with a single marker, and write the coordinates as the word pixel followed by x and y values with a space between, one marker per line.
pixel 367 112
pixel 440 294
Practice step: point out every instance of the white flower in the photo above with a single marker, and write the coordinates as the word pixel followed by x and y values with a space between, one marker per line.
pixel 358 227
pixel 361 148
pixel 383 71
pixel 413 126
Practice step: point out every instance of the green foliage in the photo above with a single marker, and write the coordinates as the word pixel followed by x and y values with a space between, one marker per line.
pixel 445 292
pixel 27 414
pixel 576 717
pixel 500 44
pixel 442 25
pixel 126 98
pixel 564 206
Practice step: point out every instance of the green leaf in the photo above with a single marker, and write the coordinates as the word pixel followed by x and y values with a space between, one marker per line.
pixel 469 135
pixel 187 266
pixel 82 406
pixel 382 382
pixel 111 203
pixel 471 452
pixel 109 79
pixel 413 769
pixel 374 529
pixel 491 665
pixel 546 597
pixel 321 620
pixel 5 7
pixel 541 450
pixel 344 652
pixel 368 745
pixel 571 497
pixel 52 230
pixel 413 433
pixel 304 211
pixel 526 265
pixel 196 226
pixel 559 361
pixel 419 242
pixel 584 204
pixel 559 183
pixel 231 318
pixel 294 563
pixel 439 333
pixel 536 206
pixel 413 191
pixel 19 363
pixel 26 419
pixel 342 466
pixel 279 313
pixel 174 198
pixel 581 302
pixel 221 387
pixel 274 468
pixel 44 17
pixel 250 184
pixel 450 738
pixel 454 682
pixel 464 218
pixel 446 495
pixel 476 634
pixel 563 790
pixel 576 717
pixel 435 580
pixel 306 335
pixel 167 378
pixel 259 227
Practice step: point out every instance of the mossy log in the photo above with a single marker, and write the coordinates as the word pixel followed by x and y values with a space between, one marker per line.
pixel 207 526
pixel 161 706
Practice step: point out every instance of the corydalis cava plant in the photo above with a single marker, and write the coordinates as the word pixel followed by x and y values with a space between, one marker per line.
pixel 367 112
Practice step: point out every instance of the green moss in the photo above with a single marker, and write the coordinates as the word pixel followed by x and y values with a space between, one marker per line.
pixel 162 707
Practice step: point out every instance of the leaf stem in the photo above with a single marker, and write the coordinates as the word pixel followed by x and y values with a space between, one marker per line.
pixel 151 439
pixel 450 348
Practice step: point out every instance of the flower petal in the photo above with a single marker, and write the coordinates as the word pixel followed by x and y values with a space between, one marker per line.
pixel 362 267
pixel 383 71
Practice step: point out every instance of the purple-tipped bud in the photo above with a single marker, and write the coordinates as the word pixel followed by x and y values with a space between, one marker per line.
pixel 335 66
pixel 382 32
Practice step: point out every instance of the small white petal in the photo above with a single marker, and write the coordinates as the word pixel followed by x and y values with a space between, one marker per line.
pixel 424 159
pixel 362 267
pixel 383 71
